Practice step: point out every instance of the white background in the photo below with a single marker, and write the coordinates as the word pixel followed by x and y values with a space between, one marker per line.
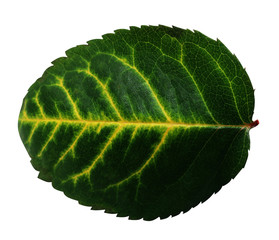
pixel 33 33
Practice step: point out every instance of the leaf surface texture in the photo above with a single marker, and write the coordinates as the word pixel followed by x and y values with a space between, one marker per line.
pixel 145 123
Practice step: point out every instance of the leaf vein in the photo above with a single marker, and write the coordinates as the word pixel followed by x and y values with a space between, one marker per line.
pixel 104 88
pixel 72 146
pixel 87 170
pixel 39 105
pixel 196 85
pixel 223 72
pixel 49 139
pixel 139 171
pixel 32 132
pixel 73 104
pixel 129 123
pixel 188 72
pixel 154 94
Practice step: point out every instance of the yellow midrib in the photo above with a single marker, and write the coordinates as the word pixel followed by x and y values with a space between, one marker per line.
pixel 166 124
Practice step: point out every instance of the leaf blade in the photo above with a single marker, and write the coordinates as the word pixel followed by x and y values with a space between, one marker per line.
pixel 139 119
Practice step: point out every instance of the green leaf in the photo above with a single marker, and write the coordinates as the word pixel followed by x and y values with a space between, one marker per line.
pixel 145 123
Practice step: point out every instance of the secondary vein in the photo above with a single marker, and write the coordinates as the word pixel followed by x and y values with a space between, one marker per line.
pixel 223 72
pixel 104 88
pixel 154 94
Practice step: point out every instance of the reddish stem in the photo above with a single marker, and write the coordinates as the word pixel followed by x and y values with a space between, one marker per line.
pixel 254 124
